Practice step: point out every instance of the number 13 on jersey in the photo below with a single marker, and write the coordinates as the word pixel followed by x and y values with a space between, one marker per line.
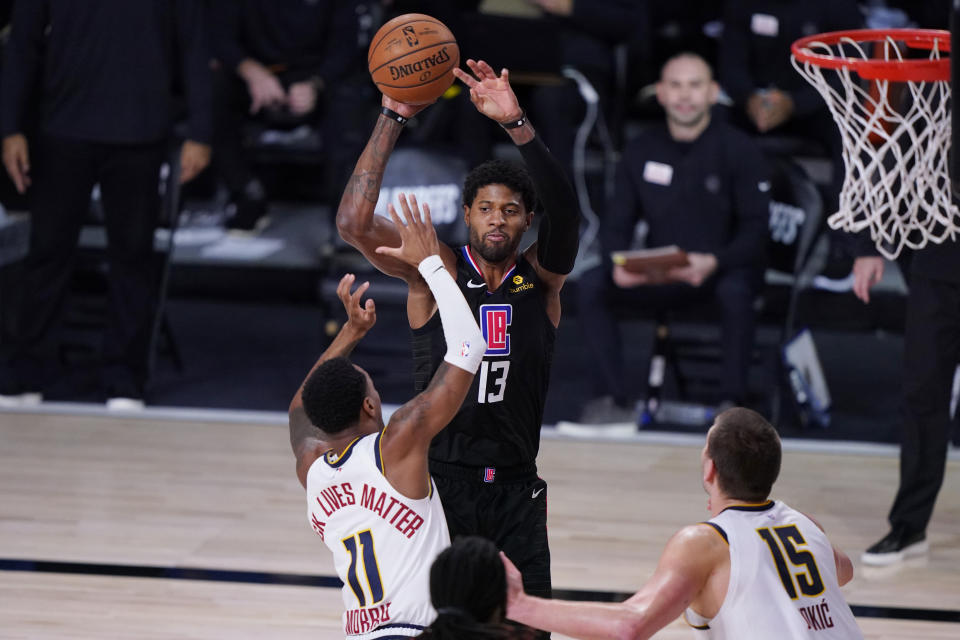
pixel 495 322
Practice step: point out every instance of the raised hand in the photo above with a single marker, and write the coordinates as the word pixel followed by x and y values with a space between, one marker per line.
pixel 418 238
pixel 491 94
pixel 404 109
pixel 360 317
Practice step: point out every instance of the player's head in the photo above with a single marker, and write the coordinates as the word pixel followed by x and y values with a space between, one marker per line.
pixel 745 451
pixel 498 204
pixel 339 395
pixel 686 89
pixel 468 588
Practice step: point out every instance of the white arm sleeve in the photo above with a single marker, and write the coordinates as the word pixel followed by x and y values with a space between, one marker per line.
pixel 465 344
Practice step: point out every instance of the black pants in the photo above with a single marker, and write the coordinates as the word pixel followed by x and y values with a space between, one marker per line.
pixel 513 514
pixel 64 173
pixel 733 291
pixel 932 350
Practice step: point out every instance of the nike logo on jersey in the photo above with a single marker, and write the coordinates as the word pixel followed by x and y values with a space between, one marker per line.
pixel 536 492
pixel 473 285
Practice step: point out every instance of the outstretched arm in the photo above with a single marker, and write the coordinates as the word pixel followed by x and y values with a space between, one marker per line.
pixel 407 437
pixel 841 560
pixel 689 558
pixel 306 439
pixel 356 221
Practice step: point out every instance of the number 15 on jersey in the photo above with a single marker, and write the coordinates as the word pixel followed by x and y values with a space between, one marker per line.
pixel 495 320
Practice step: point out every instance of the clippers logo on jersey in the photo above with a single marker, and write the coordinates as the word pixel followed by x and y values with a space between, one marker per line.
pixel 494 322
pixel 489 473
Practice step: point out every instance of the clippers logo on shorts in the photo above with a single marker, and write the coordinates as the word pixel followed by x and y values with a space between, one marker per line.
pixel 494 321
pixel 488 474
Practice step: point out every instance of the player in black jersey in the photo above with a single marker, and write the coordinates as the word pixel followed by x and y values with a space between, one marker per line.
pixel 484 464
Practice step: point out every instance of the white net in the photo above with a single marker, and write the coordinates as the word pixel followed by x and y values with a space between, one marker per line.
pixel 897 183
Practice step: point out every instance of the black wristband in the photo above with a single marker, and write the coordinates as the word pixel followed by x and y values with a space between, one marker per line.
pixel 393 115
pixel 517 123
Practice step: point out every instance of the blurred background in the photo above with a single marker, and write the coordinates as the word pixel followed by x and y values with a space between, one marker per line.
pixel 251 114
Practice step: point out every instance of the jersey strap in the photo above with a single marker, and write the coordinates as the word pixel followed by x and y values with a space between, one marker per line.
pixel 719 529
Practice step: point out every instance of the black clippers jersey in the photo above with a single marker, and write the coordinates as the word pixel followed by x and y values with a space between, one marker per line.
pixel 499 422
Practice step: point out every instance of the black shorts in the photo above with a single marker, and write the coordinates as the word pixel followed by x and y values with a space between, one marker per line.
pixel 511 511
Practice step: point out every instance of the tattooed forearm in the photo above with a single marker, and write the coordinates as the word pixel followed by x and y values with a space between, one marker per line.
pixel 366 185
pixel 368 175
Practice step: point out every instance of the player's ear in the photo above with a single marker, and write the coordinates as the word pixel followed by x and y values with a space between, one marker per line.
pixel 529 221
pixel 369 407
pixel 709 470
pixel 466 215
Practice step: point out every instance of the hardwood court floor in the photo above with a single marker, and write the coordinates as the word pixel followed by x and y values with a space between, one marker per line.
pixel 213 496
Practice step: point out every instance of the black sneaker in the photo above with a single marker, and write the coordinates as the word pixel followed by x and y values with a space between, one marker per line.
pixel 896 547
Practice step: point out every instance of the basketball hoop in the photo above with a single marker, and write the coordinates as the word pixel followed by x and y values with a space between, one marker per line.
pixel 897 181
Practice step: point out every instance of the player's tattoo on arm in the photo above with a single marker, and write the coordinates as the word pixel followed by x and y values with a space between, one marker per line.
pixel 366 184
pixel 366 181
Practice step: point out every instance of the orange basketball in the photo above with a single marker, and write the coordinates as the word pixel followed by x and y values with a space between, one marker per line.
pixel 412 57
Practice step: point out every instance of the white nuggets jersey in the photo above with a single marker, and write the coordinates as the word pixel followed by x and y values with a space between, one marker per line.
pixel 783 579
pixel 382 542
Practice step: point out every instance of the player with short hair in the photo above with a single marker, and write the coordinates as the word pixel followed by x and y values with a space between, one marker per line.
pixel 369 493
pixel 756 569
pixel 484 463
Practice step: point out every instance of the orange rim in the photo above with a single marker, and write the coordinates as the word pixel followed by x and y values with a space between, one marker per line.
pixel 878 69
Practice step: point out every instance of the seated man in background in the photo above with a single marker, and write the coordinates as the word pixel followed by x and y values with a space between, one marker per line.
pixel 756 569
pixel 288 63
pixel 773 101
pixel 700 185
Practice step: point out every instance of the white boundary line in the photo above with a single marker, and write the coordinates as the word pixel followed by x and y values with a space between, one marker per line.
pixel 619 433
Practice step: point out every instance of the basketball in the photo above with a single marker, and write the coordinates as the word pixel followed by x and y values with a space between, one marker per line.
pixel 412 58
